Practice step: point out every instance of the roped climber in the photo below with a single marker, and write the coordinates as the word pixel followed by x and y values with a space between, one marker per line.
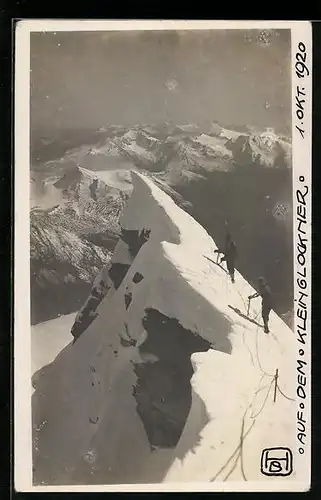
pixel 229 255
pixel 265 293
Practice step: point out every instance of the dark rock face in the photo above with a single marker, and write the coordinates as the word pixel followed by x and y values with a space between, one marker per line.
pixel 89 312
pixel 56 284
pixel 117 273
pixel 163 390
pixel 104 240
pixel 134 239
pixel 93 189
pixel 137 278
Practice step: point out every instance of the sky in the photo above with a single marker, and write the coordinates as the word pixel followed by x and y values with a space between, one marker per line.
pixel 95 79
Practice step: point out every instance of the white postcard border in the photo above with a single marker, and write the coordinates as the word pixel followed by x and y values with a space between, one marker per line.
pixel 302 221
pixel 301 34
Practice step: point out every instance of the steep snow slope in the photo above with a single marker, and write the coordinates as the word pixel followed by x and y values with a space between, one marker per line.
pixel 169 372
pixel 48 339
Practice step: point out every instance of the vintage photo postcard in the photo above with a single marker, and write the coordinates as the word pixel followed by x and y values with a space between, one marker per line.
pixel 162 336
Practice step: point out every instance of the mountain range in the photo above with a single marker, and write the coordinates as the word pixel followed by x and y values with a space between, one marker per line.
pixel 225 178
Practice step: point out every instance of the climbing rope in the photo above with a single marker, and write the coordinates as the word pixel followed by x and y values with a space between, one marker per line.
pixel 254 318
pixel 264 402
pixel 233 454
pixel 250 352
pixel 257 354
pixel 284 395
pixel 241 452
pixel 239 456
pixel 238 452
pixel 244 302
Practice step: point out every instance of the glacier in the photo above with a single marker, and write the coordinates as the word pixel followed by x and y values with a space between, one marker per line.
pixel 167 379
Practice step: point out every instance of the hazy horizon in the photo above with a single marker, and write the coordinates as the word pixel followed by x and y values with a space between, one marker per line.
pixel 88 80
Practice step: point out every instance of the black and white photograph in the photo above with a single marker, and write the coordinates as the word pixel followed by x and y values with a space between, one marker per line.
pixel 162 262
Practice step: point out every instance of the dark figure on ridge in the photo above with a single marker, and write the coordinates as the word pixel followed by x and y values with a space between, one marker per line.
pixel 229 255
pixel 93 189
pixel 265 293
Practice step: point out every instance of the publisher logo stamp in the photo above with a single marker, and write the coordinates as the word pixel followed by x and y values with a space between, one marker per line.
pixel 277 462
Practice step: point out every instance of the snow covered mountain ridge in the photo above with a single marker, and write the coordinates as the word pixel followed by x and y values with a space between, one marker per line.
pixel 88 179
pixel 168 375
pixel 158 148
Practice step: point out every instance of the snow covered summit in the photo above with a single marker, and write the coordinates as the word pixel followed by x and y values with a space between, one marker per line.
pixel 167 375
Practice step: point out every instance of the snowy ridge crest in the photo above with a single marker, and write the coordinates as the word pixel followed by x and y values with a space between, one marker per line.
pixel 168 374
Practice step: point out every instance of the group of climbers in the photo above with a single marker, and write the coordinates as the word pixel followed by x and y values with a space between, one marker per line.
pixel 229 256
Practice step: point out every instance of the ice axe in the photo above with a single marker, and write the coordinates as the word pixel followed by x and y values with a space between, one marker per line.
pixel 248 306
pixel 218 252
